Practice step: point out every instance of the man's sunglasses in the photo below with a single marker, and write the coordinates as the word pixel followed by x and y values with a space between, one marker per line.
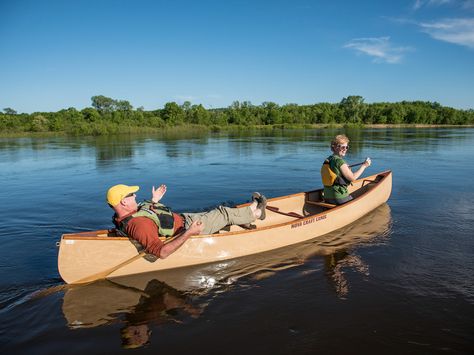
pixel 345 147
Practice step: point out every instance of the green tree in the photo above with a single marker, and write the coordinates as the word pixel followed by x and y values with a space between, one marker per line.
pixel 39 123
pixel 186 106
pixel 173 114
pixel 396 113
pixel 235 114
pixel 188 112
pixel 325 113
pixel 90 114
pixel 103 104
pixel 9 111
pixel 272 113
pixel 123 105
pixel 353 108
pixel 200 115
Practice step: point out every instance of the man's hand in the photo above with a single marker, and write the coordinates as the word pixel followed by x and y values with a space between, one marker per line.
pixel 157 194
pixel 196 228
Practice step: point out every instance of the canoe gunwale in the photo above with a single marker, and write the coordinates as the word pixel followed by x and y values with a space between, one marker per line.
pixel 103 234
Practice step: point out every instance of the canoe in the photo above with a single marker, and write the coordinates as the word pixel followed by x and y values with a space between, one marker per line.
pixel 108 301
pixel 87 256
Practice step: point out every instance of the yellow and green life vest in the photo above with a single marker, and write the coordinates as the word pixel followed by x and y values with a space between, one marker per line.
pixel 329 177
pixel 158 213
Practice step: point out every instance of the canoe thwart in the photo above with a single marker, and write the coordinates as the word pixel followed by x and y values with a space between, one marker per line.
pixel 322 204
pixel 277 210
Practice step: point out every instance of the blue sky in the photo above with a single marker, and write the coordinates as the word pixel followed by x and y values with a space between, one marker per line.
pixel 56 54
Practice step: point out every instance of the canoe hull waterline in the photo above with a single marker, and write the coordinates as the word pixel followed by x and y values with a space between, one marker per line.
pixel 290 219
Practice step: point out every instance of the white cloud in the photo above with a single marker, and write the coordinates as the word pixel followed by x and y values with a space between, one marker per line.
pixel 417 4
pixel 379 48
pixel 439 2
pixel 458 30
pixel 465 4
pixel 420 3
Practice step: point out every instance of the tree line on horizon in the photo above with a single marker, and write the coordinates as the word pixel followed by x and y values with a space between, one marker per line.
pixel 109 116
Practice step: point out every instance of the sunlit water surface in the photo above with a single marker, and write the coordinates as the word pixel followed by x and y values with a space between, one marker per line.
pixel 400 280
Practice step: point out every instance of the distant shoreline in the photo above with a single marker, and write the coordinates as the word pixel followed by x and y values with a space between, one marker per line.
pixel 108 116
pixel 202 128
pixel 416 125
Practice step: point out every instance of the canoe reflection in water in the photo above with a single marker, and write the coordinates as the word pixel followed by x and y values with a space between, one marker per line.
pixel 180 295
pixel 160 305
pixel 106 302
pixel 373 229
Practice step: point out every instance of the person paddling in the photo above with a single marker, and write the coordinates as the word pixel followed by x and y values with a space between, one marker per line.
pixel 337 175
pixel 147 221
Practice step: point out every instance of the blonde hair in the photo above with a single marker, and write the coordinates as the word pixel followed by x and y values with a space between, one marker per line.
pixel 338 140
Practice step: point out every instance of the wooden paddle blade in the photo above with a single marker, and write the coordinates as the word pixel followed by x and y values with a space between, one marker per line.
pixel 103 274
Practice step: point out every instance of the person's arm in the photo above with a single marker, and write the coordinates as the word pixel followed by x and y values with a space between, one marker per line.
pixel 349 175
pixel 158 194
pixel 145 231
pixel 169 248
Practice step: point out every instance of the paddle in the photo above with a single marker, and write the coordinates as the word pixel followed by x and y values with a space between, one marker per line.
pixel 104 274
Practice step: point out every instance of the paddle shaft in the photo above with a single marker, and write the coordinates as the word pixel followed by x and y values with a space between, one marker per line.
pixel 351 166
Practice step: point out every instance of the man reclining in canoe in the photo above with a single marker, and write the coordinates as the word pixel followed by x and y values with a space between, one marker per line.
pixel 147 221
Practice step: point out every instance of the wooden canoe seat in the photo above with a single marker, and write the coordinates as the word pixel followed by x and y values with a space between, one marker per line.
pixel 321 203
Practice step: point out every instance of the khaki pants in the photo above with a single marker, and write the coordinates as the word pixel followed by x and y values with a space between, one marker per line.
pixel 219 217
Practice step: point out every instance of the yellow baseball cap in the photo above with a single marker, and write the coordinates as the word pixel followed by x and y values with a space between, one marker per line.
pixel 116 193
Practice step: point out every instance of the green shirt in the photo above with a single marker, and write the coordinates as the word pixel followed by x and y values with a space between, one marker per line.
pixel 336 191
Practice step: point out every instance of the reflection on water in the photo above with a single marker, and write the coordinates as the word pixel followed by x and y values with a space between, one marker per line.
pixel 136 308
pixel 117 148
pixel 336 264
pixel 110 148
pixel 374 228
pixel 179 295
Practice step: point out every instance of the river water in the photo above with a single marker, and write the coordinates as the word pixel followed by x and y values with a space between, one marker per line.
pixel 399 280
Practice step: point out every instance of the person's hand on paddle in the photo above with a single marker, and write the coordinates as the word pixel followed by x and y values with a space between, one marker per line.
pixel 367 162
pixel 158 193
pixel 196 228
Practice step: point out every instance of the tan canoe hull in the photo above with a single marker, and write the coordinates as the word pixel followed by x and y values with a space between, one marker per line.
pixel 85 254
